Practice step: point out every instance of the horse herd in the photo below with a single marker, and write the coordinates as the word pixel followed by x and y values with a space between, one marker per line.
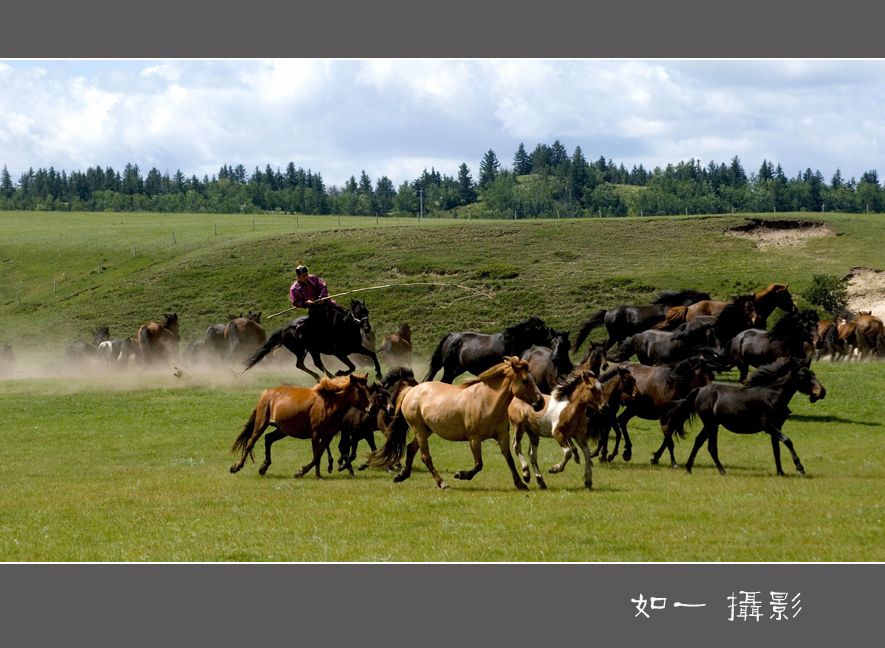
pixel 525 380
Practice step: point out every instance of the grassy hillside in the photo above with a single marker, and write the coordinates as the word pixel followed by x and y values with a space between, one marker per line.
pixel 560 269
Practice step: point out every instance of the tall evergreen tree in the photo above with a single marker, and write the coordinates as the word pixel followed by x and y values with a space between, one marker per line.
pixel 488 168
pixel 522 164
pixel 6 186
pixel 466 188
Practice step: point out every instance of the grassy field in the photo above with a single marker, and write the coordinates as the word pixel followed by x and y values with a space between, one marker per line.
pixel 135 467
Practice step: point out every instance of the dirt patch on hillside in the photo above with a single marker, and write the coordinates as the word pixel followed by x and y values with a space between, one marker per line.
pixel 866 291
pixel 768 234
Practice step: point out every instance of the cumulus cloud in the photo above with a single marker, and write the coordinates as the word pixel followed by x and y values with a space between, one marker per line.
pixel 397 117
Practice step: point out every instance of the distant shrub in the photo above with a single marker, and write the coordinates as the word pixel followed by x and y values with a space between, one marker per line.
pixel 829 292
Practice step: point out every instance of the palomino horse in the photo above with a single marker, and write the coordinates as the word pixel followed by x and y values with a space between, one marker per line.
pixel 304 413
pixel 624 321
pixel 244 336
pixel 761 406
pixel 396 348
pixel 765 301
pixel 476 352
pixel 564 418
pixel 473 411
pixel 548 364
pixel 159 341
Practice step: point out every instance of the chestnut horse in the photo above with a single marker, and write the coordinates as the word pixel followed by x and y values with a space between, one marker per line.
pixel 765 301
pixel 870 334
pixel 244 336
pixel 313 413
pixel 159 341
pixel 564 418
pixel 472 411
pixel 396 348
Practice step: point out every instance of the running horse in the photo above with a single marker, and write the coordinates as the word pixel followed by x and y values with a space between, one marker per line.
pixel 792 336
pixel 476 352
pixel 341 334
pixel 244 336
pixel 158 341
pixel 548 364
pixel 624 321
pixel 761 406
pixel 396 348
pixel 313 413
pixel 765 301
pixel 472 411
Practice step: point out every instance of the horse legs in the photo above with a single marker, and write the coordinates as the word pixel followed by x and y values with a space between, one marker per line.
pixel 621 420
pixel 698 442
pixel 406 471
pixel 666 443
pixel 368 352
pixel 476 449
pixel 567 453
pixel 779 437
pixel 421 436
pixel 257 430
pixel 319 446
pixel 533 455
pixel 588 465
pixel 516 446
pixel 347 363
pixel 713 449
pixel 504 444
pixel 269 439
pixel 370 439
pixel 299 362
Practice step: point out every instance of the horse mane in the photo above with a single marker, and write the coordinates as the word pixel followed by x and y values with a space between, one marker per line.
pixel 567 384
pixel 398 374
pixel 332 386
pixel 678 297
pixel 500 369
pixel 791 323
pixel 770 290
pixel 734 315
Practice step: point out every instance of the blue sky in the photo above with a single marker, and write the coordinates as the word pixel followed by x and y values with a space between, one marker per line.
pixel 397 117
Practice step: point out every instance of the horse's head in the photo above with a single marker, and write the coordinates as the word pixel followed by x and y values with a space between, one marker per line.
pixel 595 360
pixel 781 297
pixel 360 313
pixel 523 385
pixel 627 384
pixel 560 345
pixel 101 334
pixel 590 392
pixel 255 317
pixel 701 371
pixel 809 384
pixel 357 390
pixel 379 400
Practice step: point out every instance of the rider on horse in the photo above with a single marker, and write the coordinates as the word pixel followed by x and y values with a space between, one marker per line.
pixel 310 292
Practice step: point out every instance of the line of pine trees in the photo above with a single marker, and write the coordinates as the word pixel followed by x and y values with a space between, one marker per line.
pixel 546 182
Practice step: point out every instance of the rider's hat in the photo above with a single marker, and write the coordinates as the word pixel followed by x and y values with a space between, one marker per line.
pixel 300 269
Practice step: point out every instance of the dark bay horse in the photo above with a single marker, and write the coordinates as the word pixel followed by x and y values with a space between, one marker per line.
pixel 158 341
pixel 313 413
pixel 792 336
pixel 657 388
pixel 336 333
pixel 765 301
pixel 476 352
pixel 472 411
pixel 84 351
pixel 548 364
pixel 396 348
pixel 360 425
pixel 624 321
pixel 244 336
pixel 760 406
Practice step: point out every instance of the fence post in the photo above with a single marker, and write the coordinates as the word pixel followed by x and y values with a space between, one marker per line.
pixel 54 286
pixel 253 224
pixel 216 229
pixel 133 252
pixel 173 239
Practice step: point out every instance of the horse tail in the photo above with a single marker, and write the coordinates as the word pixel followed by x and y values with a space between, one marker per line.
pixel 395 444
pixel 596 320
pixel 682 411
pixel 275 340
pixel 241 441
pixel 143 338
pixel 436 361
pixel 676 315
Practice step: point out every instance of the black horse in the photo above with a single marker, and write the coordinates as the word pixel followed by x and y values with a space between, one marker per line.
pixel 624 321
pixel 476 352
pixel 325 330
pixel 760 406
pixel 548 364
pixel 703 334
pixel 792 336
pixel 360 425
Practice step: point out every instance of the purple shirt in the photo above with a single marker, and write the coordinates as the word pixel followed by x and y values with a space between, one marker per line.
pixel 314 289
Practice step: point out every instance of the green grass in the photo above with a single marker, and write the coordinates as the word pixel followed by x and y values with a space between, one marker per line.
pixel 136 467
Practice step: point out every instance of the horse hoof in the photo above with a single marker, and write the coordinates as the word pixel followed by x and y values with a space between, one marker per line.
pixel 399 477
pixel 262 470
pixel 722 471
pixel 363 467
pixel 542 484
pixel 234 469
pixel 554 470
pixel 611 458
pixel 588 485
pixel 442 485
pixel 654 461
pixel 298 475
pixel 461 475
pixel 688 470
pixel 628 455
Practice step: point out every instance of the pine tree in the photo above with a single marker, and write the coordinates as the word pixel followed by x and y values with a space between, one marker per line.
pixel 522 164
pixel 466 188
pixel 6 187
pixel 488 168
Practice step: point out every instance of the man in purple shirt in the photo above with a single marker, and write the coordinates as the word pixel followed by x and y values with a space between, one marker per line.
pixel 310 292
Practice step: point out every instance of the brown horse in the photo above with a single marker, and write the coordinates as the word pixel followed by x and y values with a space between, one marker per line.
pixel 396 348
pixel 564 418
pixel 765 301
pixel 244 336
pixel 473 411
pixel 870 333
pixel 313 413
pixel 844 341
pixel 159 341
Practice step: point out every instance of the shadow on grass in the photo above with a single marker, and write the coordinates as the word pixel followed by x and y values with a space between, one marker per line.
pixel 829 418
